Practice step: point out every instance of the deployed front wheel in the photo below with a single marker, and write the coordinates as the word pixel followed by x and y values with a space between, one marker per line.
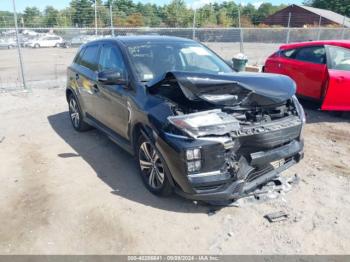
pixel 152 168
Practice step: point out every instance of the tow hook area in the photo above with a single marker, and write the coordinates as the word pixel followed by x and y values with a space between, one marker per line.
pixel 271 190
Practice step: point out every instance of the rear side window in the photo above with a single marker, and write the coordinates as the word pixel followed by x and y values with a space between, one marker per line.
pixel 79 56
pixel 312 54
pixel 288 53
pixel 89 57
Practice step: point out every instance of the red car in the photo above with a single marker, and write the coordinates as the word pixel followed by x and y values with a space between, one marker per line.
pixel 320 69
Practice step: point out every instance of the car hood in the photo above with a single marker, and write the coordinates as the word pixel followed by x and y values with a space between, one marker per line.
pixel 245 89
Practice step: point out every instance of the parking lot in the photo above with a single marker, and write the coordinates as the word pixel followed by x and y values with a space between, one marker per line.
pixel 78 193
pixel 46 67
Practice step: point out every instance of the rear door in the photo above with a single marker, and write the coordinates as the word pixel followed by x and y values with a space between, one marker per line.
pixel 307 67
pixel 274 64
pixel 86 76
pixel 111 105
pixel 337 94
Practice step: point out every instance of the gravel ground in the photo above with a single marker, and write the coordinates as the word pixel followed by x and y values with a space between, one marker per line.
pixel 78 193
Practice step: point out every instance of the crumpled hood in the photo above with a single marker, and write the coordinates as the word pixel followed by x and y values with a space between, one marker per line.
pixel 249 89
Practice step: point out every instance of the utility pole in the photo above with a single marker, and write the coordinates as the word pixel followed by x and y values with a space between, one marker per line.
pixel 95 18
pixel 19 45
pixel 111 16
pixel 194 24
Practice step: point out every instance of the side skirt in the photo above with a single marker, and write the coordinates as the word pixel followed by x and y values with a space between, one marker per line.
pixel 112 135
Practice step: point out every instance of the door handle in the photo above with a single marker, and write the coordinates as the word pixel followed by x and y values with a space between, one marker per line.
pixel 76 76
pixel 340 79
pixel 95 88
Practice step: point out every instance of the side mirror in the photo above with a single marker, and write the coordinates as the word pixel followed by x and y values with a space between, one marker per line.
pixel 112 77
pixel 229 63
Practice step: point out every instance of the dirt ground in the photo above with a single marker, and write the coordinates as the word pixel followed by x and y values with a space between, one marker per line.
pixel 79 193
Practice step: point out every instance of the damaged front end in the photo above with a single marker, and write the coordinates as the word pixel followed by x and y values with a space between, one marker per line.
pixel 235 132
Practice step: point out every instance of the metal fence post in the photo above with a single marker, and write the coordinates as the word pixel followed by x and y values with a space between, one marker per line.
pixel 288 32
pixel 95 18
pixel 343 31
pixel 241 49
pixel 19 46
pixel 319 28
pixel 111 16
pixel 194 25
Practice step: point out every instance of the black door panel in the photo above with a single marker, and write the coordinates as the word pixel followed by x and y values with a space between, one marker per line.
pixel 111 105
pixel 85 77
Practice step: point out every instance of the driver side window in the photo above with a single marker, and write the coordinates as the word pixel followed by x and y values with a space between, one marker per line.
pixel 111 59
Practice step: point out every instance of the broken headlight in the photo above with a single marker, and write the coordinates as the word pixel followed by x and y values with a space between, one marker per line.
pixel 300 109
pixel 301 114
pixel 192 154
pixel 212 122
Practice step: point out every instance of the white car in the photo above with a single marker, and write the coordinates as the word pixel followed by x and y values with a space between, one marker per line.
pixel 46 41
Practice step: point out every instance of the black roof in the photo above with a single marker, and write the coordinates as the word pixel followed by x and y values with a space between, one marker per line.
pixel 134 39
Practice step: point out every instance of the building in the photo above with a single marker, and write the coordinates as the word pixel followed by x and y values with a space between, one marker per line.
pixel 304 16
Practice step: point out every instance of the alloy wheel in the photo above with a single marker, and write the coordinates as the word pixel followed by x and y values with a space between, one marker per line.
pixel 74 112
pixel 151 165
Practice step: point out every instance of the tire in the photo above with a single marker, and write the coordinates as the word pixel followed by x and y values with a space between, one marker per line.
pixel 337 114
pixel 36 46
pixel 57 45
pixel 152 169
pixel 76 115
pixel 10 47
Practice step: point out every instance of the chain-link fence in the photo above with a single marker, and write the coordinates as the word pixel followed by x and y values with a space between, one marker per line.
pixel 46 67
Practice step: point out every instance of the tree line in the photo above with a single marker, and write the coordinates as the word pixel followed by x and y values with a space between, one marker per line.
pixel 127 13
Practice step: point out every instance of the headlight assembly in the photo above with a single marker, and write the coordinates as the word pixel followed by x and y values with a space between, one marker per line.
pixel 300 109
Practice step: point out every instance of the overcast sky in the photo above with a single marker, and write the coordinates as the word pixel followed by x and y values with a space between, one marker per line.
pixel 59 4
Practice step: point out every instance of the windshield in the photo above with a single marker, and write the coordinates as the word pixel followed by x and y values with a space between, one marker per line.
pixel 152 60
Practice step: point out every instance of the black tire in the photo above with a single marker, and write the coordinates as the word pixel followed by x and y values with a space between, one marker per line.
pixel 337 114
pixel 36 46
pixel 10 47
pixel 76 115
pixel 57 45
pixel 155 166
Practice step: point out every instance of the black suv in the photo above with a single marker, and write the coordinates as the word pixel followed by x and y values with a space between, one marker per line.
pixel 195 126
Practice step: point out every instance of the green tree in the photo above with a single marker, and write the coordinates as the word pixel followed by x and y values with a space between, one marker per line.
pixel 338 6
pixel 64 18
pixel 208 18
pixel 50 16
pixel 82 12
pixel 32 17
pixel 6 19
pixel 222 18
pixel 177 14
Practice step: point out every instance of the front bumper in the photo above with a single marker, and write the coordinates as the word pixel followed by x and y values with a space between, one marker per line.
pixel 241 188
pixel 259 158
